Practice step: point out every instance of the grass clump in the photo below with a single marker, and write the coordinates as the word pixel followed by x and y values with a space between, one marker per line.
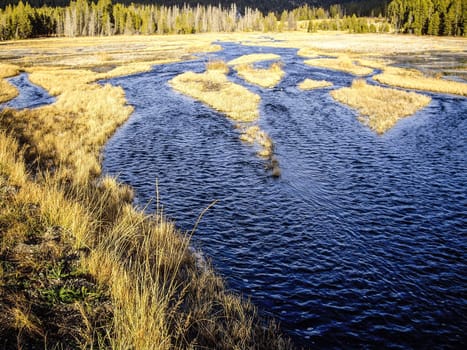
pixel 214 89
pixel 411 79
pixel 380 108
pixel 255 136
pixel 264 77
pixel 310 84
pixel 7 91
pixel 217 65
pixel 253 58
pixel 342 63
pixel 267 78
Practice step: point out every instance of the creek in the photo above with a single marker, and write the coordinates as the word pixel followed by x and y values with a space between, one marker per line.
pixel 362 240
pixel 361 243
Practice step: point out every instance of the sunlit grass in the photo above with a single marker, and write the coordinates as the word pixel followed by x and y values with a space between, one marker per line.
pixel 217 65
pixel 214 89
pixel 411 79
pixel 114 51
pixel 308 52
pixel 380 108
pixel 310 84
pixel 338 42
pixel 155 293
pixel 264 77
pixel 358 54
pixel 7 91
pixel 253 58
pixel 342 63
pixel 8 70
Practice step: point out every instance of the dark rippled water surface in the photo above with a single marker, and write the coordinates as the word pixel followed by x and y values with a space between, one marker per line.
pixel 361 243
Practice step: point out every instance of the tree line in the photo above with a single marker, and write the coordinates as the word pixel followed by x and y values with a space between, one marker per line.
pixel 359 7
pixel 102 17
pixel 432 17
pixel 85 18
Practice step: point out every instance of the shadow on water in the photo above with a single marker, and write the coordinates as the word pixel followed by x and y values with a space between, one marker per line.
pixel 361 243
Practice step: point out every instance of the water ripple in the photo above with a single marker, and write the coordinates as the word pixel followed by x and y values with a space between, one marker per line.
pixel 362 241
pixel 30 95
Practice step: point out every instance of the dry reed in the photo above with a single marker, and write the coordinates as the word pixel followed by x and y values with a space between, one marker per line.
pixel 253 135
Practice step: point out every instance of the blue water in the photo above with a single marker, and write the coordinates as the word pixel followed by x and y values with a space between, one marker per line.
pixel 30 95
pixel 361 243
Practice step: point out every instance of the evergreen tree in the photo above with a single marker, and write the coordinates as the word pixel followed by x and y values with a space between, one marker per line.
pixel 433 24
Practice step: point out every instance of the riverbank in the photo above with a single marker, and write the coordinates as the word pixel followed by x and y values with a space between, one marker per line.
pixel 81 267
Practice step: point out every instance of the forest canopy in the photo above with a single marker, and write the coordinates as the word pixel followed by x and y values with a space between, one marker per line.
pixel 357 7
pixel 103 17
pixel 432 17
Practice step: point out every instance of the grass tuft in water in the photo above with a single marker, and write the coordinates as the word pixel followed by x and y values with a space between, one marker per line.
pixel 372 103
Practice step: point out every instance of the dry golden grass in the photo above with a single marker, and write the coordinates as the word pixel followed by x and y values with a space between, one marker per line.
pixel 7 91
pixel 64 133
pixel 218 65
pixel 253 134
pixel 310 84
pixel 308 52
pixel 411 79
pixel 341 42
pixel 214 89
pixel 9 152
pixel 24 321
pixel 8 70
pixel 105 52
pixel 264 77
pixel 253 58
pixel 343 63
pixel 380 108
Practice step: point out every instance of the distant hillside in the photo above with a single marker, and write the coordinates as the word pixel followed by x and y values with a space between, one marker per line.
pixel 359 7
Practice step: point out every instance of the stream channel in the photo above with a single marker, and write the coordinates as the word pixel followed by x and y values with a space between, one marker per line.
pixel 360 243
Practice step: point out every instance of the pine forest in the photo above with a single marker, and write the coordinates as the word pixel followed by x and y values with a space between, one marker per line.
pixel 103 18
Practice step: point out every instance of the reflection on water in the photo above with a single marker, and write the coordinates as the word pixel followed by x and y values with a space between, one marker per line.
pixel 362 240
